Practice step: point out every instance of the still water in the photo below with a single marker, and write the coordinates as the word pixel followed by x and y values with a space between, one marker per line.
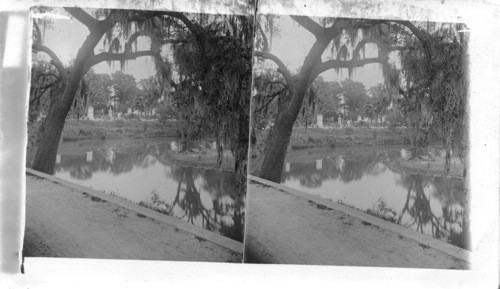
pixel 132 169
pixel 361 178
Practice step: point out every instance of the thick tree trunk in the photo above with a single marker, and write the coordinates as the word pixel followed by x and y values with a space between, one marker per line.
pixel 51 129
pixel 279 136
pixel 53 125
pixel 276 145
pixel 241 149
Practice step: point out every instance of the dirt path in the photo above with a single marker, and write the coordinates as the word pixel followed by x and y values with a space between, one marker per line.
pixel 285 228
pixel 65 222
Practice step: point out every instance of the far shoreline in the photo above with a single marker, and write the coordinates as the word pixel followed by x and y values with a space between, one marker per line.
pixel 429 168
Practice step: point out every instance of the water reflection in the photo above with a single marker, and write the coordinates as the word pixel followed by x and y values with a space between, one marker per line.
pixel 135 171
pixel 434 206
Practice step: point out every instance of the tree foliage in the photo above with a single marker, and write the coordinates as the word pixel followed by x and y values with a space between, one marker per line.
pixel 355 98
pixel 99 89
pixel 434 85
pixel 125 90
pixel 432 46
pixel 328 97
pixel 214 82
pixel 148 95
pixel 118 31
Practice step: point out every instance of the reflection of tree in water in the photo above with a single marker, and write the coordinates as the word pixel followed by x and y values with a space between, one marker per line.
pixel 346 168
pixel 228 199
pixel 226 215
pixel 124 160
pixel 452 226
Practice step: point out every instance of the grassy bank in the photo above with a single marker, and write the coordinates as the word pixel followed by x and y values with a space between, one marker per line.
pixel 431 166
pixel 205 159
pixel 319 138
pixel 343 137
pixel 87 129
pixel 117 129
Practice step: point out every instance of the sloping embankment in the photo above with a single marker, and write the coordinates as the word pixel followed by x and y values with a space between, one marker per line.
pixel 65 220
pixel 290 227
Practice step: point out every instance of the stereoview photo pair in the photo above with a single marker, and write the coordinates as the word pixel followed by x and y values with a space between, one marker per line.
pixel 160 135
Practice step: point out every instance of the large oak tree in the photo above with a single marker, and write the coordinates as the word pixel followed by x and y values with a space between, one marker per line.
pixel 346 39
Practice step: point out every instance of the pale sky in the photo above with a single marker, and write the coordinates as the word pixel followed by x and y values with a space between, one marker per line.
pixel 291 46
pixel 294 42
pixel 67 36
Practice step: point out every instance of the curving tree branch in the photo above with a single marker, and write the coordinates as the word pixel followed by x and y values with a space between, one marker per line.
pixel 424 38
pixel 110 56
pixel 334 63
pixel 281 66
pixel 54 60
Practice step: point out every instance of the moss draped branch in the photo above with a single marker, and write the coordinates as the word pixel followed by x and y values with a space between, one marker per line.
pixel 124 56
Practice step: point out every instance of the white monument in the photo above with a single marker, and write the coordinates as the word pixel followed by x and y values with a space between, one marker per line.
pixel 58 159
pixel 174 147
pixel 90 112
pixel 214 145
pixel 340 163
pixel 89 157
pixel 287 167
pixel 340 120
pixel 110 155
pixel 129 110
pixel 319 120
pixel 110 114
pixel 319 164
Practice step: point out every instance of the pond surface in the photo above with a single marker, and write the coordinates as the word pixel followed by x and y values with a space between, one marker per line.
pixel 361 178
pixel 132 169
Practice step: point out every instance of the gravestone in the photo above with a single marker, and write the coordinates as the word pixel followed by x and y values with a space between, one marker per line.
pixel 319 164
pixel 340 121
pixel 89 157
pixel 110 155
pixel 349 123
pixel 129 110
pixel 319 120
pixel 110 114
pixel 90 113
pixel 58 159
pixel 340 163
pixel 174 147
pixel 287 167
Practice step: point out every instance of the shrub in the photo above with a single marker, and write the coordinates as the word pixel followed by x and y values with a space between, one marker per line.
pixel 349 130
pixel 361 123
